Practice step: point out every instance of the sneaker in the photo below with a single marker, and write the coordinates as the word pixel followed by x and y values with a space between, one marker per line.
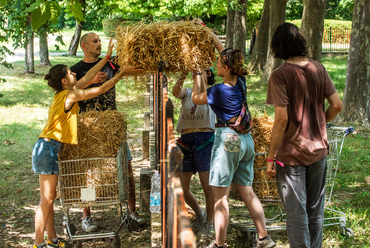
pixel 266 243
pixel 135 216
pixel 207 229
pixel 213 245
pixel 199 221
pixel 88 226
pixel 60 243
pixel 39 246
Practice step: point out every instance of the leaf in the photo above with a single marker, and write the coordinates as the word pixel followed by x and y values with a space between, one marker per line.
pixel 40 16
pixel 55 12
pixel 77 11
pixel 33 6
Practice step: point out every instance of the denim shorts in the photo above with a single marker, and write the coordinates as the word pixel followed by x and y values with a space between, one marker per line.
pixel 45 157
pixel 196 161
pixel 232 158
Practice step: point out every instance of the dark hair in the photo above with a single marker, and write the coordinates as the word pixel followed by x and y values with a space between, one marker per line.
pixel 55 76
pixel 288 41
pixel 211 79
pixel 234 59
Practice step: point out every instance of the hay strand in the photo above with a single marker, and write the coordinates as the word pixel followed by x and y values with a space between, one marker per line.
pixel 183 46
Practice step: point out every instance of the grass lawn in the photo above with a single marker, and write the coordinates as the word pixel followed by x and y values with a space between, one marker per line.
pixel 24 109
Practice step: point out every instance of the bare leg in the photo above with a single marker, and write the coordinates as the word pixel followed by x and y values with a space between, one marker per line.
pixel 254 207
pixel 131 183
pixel 189 197
pixel 221 217
pixel 85 212
pixel 207 189
pixel 44 217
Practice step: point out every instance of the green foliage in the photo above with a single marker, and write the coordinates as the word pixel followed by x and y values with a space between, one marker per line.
pixel 329 24
pixel 294 9
pixel 339 9
pixel 334 31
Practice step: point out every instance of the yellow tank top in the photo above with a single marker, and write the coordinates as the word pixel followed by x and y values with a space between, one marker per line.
pixel 61 126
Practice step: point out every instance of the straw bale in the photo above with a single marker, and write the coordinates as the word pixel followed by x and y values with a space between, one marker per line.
pixel 100 134
pixel 262 186
pixel 182 45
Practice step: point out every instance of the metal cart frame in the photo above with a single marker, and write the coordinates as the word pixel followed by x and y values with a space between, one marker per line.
pixel 248 232
pixel 83 183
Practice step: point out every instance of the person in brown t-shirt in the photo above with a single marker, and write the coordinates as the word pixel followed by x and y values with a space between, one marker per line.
pixel 298 149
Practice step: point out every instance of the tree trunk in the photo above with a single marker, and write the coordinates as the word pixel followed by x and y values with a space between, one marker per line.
pixel 277 17
pixel 313 26
pixel 229 26
pixel 29 57
pixel 44 52
pixel 240 30
pixel 72 51
pixel 356 100
pixel 259 53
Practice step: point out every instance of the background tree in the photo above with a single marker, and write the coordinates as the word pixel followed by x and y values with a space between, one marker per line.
pixel 80 17
pixel 313 26
pixel 4 51
pixel 240 29
pixel 229 40
pixel 259 53
pixel 356 100
pixel 277 17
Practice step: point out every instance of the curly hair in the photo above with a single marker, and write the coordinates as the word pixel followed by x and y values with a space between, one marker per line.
pixel 211 79
pixel 288 41
pixel 234 59
pixel 55 76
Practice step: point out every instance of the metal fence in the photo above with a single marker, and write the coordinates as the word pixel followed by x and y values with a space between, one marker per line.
pixel 176 229
pixel 334 40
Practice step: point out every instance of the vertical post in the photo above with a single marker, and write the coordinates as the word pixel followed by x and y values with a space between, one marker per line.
pixel 330 39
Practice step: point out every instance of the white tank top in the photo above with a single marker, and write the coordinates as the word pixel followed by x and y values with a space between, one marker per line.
pixel 194 116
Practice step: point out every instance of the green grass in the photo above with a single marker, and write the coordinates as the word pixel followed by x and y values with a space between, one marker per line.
pixel 24 109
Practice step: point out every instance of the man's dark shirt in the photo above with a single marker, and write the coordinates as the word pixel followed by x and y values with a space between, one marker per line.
pixel 103 102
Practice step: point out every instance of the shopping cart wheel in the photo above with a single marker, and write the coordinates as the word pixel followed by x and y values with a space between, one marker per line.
pixel 346 232
pixel 116 242
pixel 77 244
pixel 72 229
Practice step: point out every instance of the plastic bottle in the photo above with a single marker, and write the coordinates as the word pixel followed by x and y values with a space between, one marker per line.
pixel 155 193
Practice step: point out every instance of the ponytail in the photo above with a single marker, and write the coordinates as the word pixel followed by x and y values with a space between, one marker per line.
pixel 55 76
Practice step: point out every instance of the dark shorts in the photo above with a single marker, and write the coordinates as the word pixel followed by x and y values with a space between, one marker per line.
pixel 45 157
pixel 196 161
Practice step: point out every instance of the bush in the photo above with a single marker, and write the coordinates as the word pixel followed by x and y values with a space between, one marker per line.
pixel 334 31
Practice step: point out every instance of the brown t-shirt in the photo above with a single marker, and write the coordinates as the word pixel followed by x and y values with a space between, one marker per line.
pixel 302 89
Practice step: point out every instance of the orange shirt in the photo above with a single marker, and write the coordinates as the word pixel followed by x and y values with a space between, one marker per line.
pixel 61 126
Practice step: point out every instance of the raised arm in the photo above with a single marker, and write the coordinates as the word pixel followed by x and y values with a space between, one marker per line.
pixel 178 91
pixel 219 46
pixel 85 80
pixel 80 94
pixel 199 93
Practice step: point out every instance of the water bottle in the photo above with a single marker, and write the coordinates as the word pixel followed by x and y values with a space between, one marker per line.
pixel 155 193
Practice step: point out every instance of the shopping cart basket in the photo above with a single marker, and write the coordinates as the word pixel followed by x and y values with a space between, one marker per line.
pixel 247 231
pixel 98 183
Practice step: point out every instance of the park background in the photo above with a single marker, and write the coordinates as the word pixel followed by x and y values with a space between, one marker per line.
pixel 25 98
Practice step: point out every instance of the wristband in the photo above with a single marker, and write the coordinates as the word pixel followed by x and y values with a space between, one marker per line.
pixel 111 64
pixel 198 73
pixel 274 160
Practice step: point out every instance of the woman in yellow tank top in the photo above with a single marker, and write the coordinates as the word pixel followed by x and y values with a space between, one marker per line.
pixel 61 127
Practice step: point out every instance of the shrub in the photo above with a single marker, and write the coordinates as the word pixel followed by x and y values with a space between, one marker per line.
pixel 334 31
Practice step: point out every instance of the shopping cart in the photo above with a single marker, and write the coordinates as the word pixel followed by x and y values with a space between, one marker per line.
pixel 247 232
pixel 95 182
